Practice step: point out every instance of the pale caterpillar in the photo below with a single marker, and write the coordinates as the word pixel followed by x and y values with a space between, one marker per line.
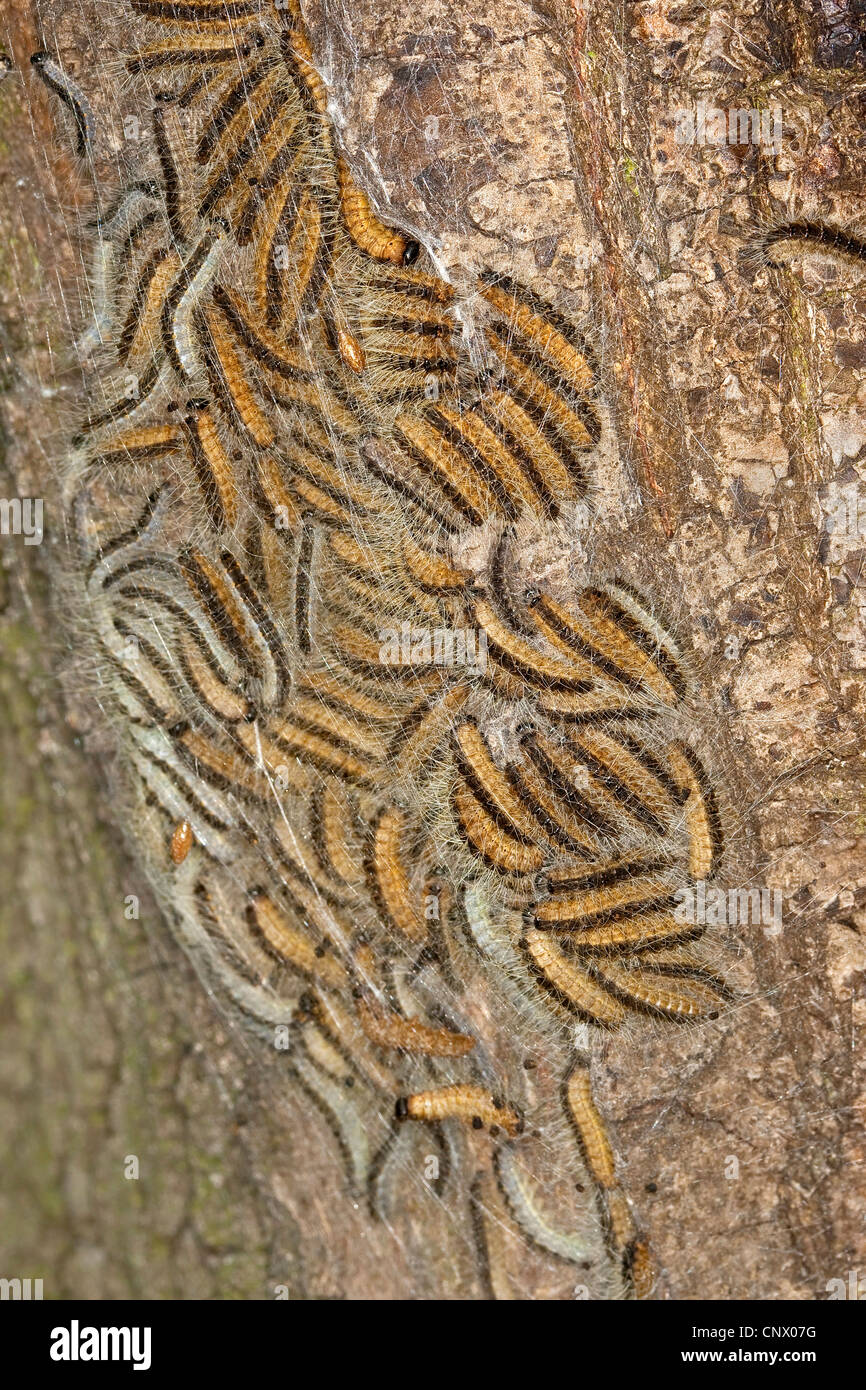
pixel 781 242
pixel 285 485
pixel 71 95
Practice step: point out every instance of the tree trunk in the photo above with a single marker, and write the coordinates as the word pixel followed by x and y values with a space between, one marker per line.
pixel 546 140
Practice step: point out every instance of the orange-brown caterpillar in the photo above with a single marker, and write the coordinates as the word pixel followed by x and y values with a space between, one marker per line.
pixel 519 657
pixel 182 839
pixel 572 986
pixel 552 337
pixel 390 877
pixel 197 11
pixel 214 469
pixel 472 1103
pixel 599 635
pixel 292 944
pixel 241 399
pixel 389 1030
pixel 366 229
pixel 703 822
pixel 151 441
pixel 492 787
pixel 599 902
pixel 641 1269
pixel 194 47
pixel 667 995
pixel 493 844
pixel 590 1127
pixel 595 1144
pixel 138 336
pixel 464 487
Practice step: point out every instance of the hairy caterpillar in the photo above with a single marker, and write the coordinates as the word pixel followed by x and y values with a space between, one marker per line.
pixel 472 1103
pixel 785 242
pixel 70 94
pixel 284 487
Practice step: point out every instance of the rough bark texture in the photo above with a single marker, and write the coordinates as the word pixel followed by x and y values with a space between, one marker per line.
pixel 540 138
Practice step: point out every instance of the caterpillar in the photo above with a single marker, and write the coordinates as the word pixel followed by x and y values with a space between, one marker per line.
pixel 472 1103
pixel 421 867
pixel 787 241
pixel 410 1035
pixel 365 227
pixel 181 842
pixel 72 96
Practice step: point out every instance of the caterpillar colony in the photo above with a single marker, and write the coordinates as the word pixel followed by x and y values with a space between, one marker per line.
pixel 417 870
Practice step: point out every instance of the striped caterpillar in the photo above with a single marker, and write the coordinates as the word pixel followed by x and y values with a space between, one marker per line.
pixel 780 244
pixel 291 452
pixel 72 96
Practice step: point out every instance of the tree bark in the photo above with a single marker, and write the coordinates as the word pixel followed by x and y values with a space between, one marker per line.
pixel 540 139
